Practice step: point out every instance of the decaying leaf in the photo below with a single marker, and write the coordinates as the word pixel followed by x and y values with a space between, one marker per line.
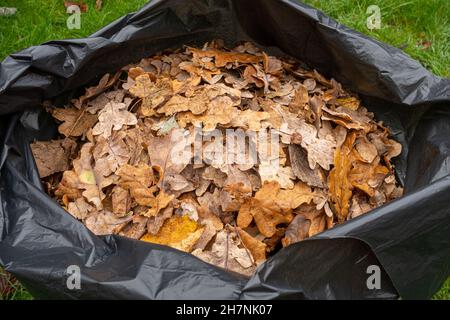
pixel 177 232
pixel 227 252
pixel 52 156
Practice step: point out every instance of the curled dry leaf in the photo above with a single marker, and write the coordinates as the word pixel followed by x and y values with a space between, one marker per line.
pixel 340 185
pixel 257 248
pixel 139 180
pixel 82 179
pixel 301 169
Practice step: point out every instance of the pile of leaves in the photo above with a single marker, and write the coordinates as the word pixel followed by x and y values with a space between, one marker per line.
pixel 112 168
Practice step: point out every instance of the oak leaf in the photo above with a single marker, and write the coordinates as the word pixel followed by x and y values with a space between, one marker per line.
pixel 257 248
pixel 52 156
pixel 139 180
pixel 264 208
pixel 76 122
pixel 178 232
pixel 113 117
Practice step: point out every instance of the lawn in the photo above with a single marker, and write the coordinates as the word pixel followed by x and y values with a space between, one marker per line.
pixel 421 28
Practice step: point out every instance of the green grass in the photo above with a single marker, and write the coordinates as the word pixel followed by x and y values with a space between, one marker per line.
pixel 420 27
pixel 37 21
pixel 444 293
pixel 11 289
pixel 408 25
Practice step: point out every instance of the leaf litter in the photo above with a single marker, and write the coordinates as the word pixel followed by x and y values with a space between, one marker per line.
pixel 114 167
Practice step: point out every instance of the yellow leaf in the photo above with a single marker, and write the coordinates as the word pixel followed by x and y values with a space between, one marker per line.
pixel 87 176
pixel 178 232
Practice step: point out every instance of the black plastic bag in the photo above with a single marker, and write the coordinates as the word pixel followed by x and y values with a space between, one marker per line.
pixel 409 238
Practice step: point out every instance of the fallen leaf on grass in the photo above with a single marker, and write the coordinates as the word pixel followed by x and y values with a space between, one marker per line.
pixel 80 4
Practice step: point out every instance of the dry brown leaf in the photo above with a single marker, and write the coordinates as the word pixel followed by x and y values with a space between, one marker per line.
pixel 104 222
pixel 83 177
pixel 121 201
pixel 256 247
pixel 351 103
pixel 139 180
pixel 297 230
pixel 301 169
pixel 339 183
pixel 162 152
pixel 221 111
pixel 155 223
pixel 319 151
pixel 266 210
pixel 300 100
pixel 75 122
pixel 210 76
pixel 366 150
pixel 367 177
pixel 136 228
pixel 359 205
pixel 80 4
pixel 80 209
pixel 249 120
pixel 293 198
pixel 207 235
pixel 196 104
pixel 113 117
pixel 222 58
pixel 358 120
pixel 106 82
pixel 227 253
pixel 110 154
pixel 161 202
pixel 52 156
